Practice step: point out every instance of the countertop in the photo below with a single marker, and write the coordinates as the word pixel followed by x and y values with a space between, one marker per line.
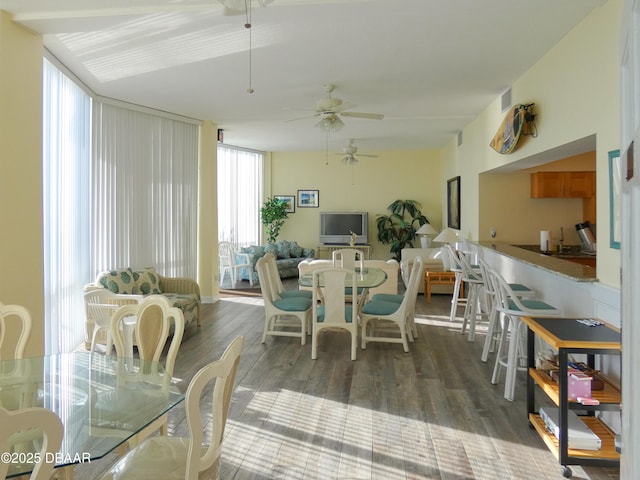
pixel 574 271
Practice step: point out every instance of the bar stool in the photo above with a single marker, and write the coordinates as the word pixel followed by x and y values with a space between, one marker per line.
pixel 494 331
pixel 471 276
pixel 451 262
pixel 513 308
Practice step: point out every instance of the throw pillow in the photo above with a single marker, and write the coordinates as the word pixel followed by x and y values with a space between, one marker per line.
pixel 118 281
pixel 283 249
pixel 271 248
pixel 295 249
pixel 147 281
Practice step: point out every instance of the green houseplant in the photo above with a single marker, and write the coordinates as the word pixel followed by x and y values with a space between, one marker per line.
pixel 398 229
pixel 273 214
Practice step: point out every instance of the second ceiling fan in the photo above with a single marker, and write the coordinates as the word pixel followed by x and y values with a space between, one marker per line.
pixel 330 109
pixel 351 154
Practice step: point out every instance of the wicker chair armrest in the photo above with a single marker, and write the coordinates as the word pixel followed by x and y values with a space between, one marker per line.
pixel 179 285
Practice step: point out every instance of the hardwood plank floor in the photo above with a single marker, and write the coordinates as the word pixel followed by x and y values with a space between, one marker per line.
pixel 427 414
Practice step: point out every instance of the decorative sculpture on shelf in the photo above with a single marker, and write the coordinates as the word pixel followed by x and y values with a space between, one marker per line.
pixel 352 242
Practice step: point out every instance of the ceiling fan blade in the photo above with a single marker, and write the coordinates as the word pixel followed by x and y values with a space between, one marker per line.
pixel 364 155
pixel 370 116
pixel 302 118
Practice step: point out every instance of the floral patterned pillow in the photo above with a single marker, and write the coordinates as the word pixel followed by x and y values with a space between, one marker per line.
pixel 118 281
pixel 147 281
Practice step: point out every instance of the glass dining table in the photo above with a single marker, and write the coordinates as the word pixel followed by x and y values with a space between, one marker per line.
pixel 101 400
pixel 366 278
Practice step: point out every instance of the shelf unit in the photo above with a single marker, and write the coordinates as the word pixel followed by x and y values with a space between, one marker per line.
pixel 567 336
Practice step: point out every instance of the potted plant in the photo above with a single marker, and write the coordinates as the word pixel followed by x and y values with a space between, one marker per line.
pixel 398 229
pixel 273 214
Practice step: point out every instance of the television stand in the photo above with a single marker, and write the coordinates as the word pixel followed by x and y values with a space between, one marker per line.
pixel 326 250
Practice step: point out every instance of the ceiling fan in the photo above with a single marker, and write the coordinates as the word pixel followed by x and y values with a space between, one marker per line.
pixel 239 7
pixel 351 154
pixel 330 108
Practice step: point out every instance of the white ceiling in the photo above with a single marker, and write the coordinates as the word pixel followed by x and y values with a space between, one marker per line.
pixel 430 66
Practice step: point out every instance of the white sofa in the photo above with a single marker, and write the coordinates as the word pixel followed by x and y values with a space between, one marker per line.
pixel 432 259
pixel 391 267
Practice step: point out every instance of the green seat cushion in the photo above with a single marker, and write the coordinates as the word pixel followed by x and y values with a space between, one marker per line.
pixel 531 304
pixel 380 308
pixel 293 304
pixel 387 297
pixel 296 294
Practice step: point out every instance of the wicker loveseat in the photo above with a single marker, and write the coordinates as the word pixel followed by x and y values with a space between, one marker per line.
pixel 129 286
pixel 288 256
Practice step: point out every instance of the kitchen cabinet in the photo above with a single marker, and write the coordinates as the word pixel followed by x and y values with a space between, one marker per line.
pixel 563 184
pixel 568 336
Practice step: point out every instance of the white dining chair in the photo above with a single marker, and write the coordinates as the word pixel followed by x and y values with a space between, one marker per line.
pixel 288 317
pixel 350 258
pixel 276 286
pixel 100 310
pixel 392 313
pixel 38 418
pixel 195 456
pixel 14 317
pixel 334 311
pixel 155 318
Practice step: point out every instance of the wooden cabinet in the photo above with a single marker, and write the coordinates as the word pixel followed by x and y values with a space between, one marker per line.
pixel 563 184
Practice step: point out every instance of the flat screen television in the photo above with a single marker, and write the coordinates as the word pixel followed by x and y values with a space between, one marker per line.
pixel 336 227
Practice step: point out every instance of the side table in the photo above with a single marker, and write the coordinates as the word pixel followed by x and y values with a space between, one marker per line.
pixel 432 278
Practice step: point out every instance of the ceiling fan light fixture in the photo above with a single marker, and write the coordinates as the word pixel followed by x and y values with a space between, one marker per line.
pixel 328 104
pixel 330 123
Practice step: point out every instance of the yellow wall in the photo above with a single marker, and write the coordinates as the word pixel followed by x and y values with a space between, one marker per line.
pixel 575 88
pixel 370 186
pixel 21 173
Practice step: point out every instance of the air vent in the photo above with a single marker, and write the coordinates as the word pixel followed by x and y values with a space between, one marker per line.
pixel 505 100
pixel 460 138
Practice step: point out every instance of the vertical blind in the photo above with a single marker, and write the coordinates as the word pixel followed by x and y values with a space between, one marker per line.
pixel 65 157
pixel 144 193
pixel 120 188
pixel 240 174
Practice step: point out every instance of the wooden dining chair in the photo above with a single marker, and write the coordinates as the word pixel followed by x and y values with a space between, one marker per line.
pixel 189 457
pixel 42 420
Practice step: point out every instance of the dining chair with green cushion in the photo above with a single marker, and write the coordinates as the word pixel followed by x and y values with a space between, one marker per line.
pixel 41 420
pixel 199 454
pixel 334 312
pixel 276 285
pixel 155 318
pixel 394 313
pixel 287 317
pixel 350 258
pixel 14 318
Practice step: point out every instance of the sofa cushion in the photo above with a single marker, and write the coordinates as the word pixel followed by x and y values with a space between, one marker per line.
pixel 188 303
pixel 120 280
pixel 284 250
pixel 295 249
pixel 271 248
pixel 147 281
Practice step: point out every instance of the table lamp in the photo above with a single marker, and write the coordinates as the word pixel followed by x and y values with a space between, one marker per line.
pixel 448 235
pixel 423 232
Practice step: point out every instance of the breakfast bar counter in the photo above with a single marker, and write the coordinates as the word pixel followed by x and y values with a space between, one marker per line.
pixel 571 270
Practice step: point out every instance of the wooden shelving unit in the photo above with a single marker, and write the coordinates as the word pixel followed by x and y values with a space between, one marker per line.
pixel 566 335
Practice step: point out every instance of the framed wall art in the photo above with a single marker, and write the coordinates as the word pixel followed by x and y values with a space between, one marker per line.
pixel 453 203
pixel 308 198
pixel 290 200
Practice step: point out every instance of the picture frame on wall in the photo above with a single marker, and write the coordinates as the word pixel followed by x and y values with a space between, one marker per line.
pixel 453 203
pixel 290 200
pixel 308 198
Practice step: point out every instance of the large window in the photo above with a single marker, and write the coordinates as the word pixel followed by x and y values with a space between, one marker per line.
pixel 240 174
pixel 66 153
pixel 120 188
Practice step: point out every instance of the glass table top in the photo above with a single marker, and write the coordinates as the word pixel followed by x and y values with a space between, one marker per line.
pixel 101 400
pixel 366 278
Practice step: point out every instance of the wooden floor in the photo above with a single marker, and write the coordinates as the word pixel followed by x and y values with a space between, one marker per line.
pixel 427 414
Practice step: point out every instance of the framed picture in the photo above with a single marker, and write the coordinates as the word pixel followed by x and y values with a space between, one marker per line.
pixel 308 198
pixel 453 203
pixel 615 191
pixel 290 200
